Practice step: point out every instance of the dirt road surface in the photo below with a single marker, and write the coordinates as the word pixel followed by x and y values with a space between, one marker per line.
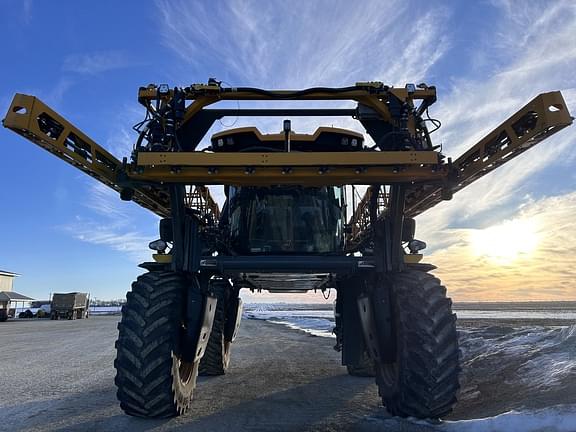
pixel 58 376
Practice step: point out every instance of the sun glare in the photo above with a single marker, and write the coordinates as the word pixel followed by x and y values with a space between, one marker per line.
pixel 507 242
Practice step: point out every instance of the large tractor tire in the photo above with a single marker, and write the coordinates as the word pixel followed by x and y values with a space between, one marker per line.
pixel 152 380
pixel 216 359
pixel 422 381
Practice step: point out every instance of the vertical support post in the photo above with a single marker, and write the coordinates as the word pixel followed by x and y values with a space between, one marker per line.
pixel 287 131
pixel 376 311
pixel 387 230
pixel 187 247
pixel 379 232
pixel 395 222
pixel 178 213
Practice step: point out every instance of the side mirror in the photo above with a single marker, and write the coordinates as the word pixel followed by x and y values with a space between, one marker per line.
pixel 166 233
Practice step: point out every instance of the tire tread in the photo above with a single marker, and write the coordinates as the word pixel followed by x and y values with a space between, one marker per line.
pixel 147 336
pixel 429 357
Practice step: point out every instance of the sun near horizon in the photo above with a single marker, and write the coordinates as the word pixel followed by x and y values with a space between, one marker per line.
pixel 529 257
pixel 506 243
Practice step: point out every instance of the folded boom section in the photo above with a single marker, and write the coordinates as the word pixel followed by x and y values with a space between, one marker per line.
pixel 542 117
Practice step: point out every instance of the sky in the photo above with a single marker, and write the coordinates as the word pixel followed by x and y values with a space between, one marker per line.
pixel 507 237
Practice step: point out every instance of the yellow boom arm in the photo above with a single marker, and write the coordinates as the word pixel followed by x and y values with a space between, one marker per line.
pixel 540 118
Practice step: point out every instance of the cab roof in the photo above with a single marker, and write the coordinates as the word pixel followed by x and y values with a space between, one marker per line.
pixel 323 139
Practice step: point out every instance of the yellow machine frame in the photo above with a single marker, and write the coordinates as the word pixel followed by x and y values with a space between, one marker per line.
pixel 430 177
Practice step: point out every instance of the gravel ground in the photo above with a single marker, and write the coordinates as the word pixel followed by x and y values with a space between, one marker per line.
pixel 58 376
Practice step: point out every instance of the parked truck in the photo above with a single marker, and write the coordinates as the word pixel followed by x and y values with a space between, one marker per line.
pixel 69 306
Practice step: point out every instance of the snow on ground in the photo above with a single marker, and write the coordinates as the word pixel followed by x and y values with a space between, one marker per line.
pixel 508 314
pixel 314 326
pixel 105 310
pixel 560 418
pixel 510 364
pixel 554 419
pixel 544 356
pixel 315 322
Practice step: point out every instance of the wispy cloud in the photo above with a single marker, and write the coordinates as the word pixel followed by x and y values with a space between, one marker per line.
pixel 266 44
pixel 27 11
pixel 53 94
pixel 325 42
pixel 97 62
pixel 112 235
pixel 112 224
pixel 121 138
pixel 535 51
pixel 530 47
pixel 105 202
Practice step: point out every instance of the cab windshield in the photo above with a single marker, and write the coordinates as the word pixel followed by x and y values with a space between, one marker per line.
pixel 286 219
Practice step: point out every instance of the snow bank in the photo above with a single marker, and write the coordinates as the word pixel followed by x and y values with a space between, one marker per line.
pixel 554 419
pixel 314 322
pixel 544 356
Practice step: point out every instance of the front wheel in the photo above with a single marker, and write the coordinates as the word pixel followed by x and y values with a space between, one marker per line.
pixel 422 380
pixel 152 380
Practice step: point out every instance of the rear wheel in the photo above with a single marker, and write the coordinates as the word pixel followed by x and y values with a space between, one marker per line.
pixel 216 359
pixel 422 381
pixel 152 380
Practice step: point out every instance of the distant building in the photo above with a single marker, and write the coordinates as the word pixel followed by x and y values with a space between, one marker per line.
pixel 7 280
pixel 8 295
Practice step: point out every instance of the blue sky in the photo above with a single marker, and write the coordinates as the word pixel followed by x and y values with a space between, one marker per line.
pixel 63 231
